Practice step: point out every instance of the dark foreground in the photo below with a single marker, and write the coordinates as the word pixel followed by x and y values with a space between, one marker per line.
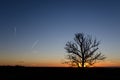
pixel 50 73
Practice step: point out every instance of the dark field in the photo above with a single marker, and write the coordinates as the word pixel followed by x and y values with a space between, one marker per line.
pixel 58 73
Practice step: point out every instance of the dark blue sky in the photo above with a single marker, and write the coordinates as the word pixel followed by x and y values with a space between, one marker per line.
pixel 34 31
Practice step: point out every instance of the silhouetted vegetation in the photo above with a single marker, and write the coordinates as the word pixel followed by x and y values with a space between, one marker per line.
pixel 83 52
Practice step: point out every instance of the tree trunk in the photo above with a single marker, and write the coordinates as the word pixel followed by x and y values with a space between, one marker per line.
pixel 78 65
pixel 82 60
pixel 82 63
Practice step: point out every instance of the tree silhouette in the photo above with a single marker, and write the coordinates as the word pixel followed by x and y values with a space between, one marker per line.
pixel 83 51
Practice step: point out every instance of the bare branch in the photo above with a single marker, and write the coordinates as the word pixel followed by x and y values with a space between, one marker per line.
pixel 72 48
pixel 91 53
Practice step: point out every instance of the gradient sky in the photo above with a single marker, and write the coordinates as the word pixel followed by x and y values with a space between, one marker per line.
pixel 34 32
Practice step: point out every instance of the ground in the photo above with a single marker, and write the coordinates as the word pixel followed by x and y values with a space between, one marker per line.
pixel 61 73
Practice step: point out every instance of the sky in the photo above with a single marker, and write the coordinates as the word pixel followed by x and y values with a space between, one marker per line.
pixel 34 32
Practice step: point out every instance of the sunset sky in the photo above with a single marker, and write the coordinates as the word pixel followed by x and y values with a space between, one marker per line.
pixel 34 32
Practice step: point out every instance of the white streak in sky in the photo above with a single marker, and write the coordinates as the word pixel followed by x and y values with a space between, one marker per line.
pixel 15 31
pixel 35 43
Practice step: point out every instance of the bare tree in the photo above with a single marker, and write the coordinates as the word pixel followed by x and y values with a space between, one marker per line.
pixel 83 52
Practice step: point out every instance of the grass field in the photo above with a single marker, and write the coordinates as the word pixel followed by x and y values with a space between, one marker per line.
pixel 58 73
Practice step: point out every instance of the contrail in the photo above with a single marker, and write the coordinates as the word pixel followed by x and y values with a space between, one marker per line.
pixel 35 43
pixel 15 31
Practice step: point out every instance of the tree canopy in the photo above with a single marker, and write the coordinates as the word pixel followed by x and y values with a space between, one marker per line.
pixel 83 51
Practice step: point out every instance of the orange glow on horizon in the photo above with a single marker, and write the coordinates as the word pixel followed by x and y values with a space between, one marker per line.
pixel 58 64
